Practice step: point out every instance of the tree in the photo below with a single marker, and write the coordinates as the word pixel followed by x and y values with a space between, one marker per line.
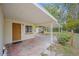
pixel 71 25
pixel 53 10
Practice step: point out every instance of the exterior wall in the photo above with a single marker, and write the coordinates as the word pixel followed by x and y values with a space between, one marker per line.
pixel 8 30
pixel 1 31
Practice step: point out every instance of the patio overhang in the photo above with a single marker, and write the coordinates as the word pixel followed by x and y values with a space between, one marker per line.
pixel 32 13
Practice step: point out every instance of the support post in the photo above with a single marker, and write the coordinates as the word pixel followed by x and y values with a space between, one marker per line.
pixel 51 32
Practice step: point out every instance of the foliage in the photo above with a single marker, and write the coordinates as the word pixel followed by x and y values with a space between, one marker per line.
pixel 63 38
pixel 63 50
pixel 72 10
pixel 43 54
pixel 55 29
pixel 71 24
pixel 76 30
pixel 65 13
pixel 53 10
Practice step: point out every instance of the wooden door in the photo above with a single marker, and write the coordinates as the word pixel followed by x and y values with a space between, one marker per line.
pixel 16 28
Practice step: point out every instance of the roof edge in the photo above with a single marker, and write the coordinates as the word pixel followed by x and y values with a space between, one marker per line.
pixel 46 12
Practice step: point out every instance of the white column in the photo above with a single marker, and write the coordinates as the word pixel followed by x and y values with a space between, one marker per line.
pixel 59 29
pixel 51 32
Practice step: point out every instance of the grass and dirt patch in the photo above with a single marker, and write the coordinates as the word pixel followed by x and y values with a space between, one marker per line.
pixel 63 47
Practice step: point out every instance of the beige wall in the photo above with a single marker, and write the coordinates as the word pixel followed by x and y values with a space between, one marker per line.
pixel 8 30
pixel 1 31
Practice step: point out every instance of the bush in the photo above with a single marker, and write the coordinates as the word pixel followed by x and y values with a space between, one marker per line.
pixel 55 29
pixel 63 38
pixel 76 30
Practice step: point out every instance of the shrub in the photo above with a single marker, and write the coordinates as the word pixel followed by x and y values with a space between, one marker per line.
pixel 63 38
pixel 76 30
pixel 55 29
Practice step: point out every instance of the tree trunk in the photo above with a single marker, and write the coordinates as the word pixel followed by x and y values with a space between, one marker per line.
pixel 72 38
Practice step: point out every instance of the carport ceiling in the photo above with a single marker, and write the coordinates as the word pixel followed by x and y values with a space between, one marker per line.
pixel 26 12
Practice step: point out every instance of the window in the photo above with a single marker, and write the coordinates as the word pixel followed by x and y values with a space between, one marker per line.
pixel 28 29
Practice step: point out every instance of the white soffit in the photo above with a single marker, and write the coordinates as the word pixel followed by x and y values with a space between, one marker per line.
pixel 27 12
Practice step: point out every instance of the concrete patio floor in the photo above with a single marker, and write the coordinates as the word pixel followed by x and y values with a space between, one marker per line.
pixel 30 47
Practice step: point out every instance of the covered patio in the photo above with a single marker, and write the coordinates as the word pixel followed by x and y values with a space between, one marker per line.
pixel 34 41
pixel 32 47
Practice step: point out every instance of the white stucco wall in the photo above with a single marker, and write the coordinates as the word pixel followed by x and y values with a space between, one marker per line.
pixel 8 30
pixel 1 31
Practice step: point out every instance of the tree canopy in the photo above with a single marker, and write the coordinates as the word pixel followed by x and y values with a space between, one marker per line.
pixel 67 14
pixel 62 11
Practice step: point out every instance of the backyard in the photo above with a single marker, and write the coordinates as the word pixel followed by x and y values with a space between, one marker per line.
pixel 63 50
pixel 67 33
